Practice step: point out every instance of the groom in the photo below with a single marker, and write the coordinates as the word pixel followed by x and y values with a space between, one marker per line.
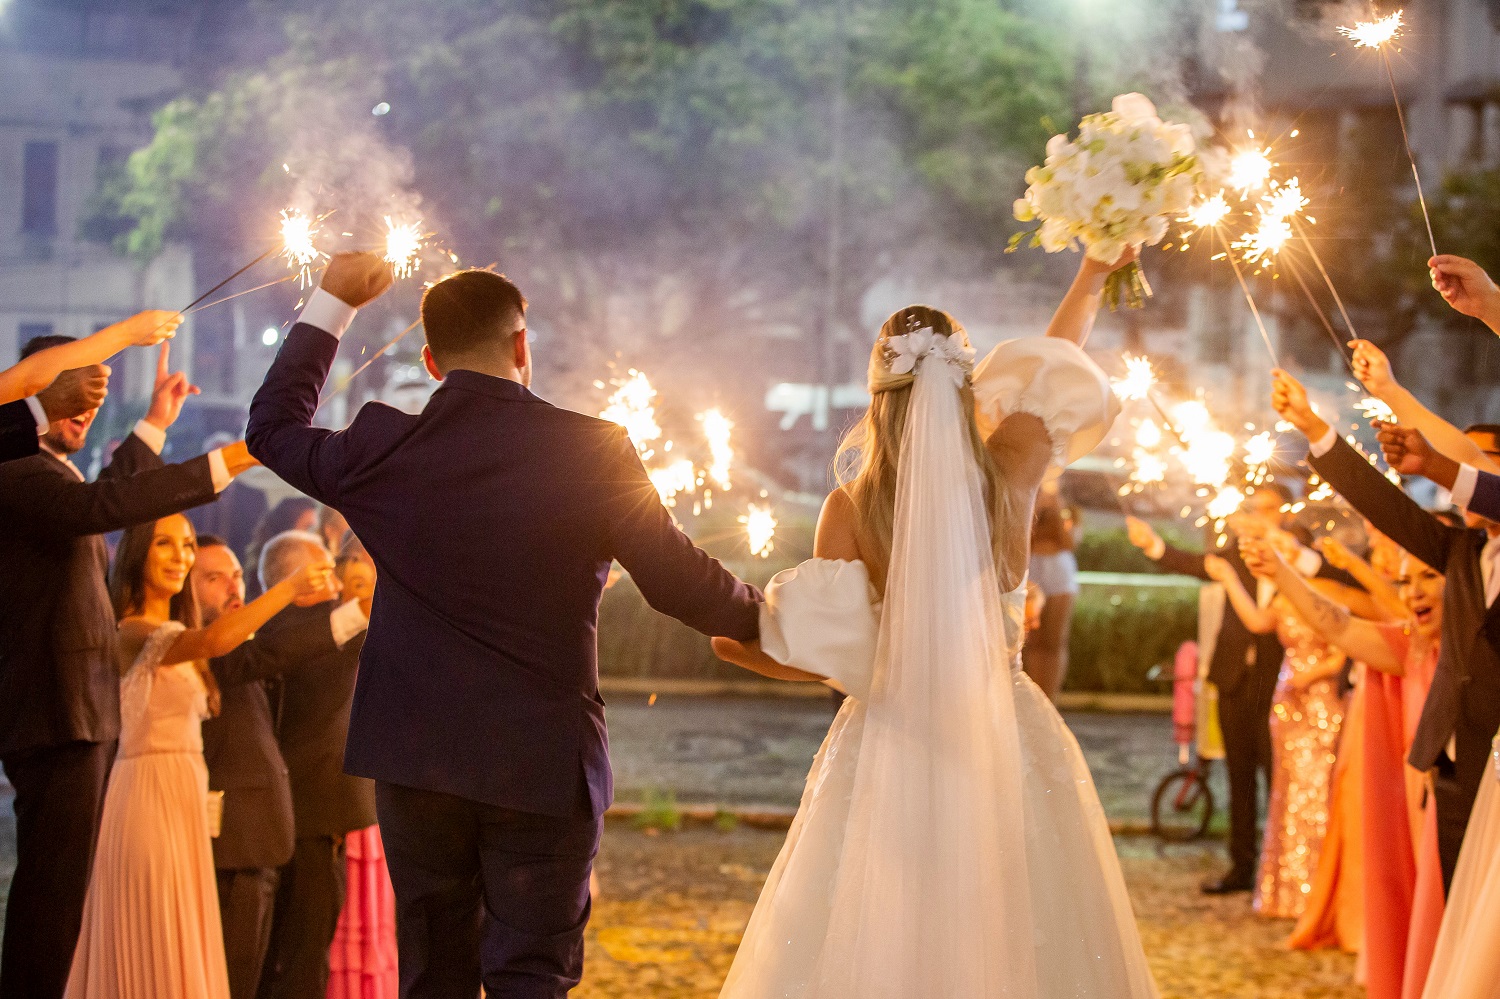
pixel 493 518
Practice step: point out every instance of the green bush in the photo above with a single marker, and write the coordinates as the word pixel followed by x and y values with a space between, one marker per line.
pixel 1108 549
pixel 1120 632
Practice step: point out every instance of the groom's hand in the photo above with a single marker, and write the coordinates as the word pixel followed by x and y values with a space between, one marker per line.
pixel 356 279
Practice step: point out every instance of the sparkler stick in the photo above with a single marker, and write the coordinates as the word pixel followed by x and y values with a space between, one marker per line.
pixel 1250 300
pixel 1337 299
pixel 247 291
pixel 207 294
pixel 1377 35
pixel 1338 341
pixel 359 370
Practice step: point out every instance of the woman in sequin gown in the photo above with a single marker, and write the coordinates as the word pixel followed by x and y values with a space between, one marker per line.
pixel 1306 717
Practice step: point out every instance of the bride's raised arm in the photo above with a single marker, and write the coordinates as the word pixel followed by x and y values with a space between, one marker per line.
pixel 1074 318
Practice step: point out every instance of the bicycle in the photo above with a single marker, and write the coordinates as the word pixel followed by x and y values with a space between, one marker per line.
pixel 1182 806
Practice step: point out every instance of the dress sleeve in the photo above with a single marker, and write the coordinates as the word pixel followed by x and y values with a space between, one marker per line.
pixel 1054 380
pixel 135 686
pixel 822 618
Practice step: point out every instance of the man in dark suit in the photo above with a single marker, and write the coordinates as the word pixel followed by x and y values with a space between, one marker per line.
pixel 59 679
pixel 245 761
pixel 492 518
pixel 1244 669
pixel 1462 712
pixel 327 804
pixel 24 422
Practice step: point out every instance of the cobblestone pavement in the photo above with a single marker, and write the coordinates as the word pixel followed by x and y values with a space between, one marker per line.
pixel 746 751
pixel 673 905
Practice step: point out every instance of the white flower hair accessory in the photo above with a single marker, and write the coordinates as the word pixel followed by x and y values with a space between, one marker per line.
pixel 904 352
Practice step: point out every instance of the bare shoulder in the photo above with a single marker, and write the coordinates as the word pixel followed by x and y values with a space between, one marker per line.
pixel 838 528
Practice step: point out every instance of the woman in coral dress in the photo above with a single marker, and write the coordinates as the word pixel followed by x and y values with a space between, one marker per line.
pixel 151 918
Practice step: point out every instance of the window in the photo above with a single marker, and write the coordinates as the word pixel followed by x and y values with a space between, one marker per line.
pixel 1231 18
pixel 39 189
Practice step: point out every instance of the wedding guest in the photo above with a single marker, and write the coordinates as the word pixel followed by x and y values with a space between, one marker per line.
pixel 1245 669
pixel 151 919
pixel 362 961
pixel 1307 713
pixel 1404 910
pixel 59 681
pixel 1462 711
pixel 245 763
pixel 327 804
pixel 1054 567
pixel 292 513
pixel 333 527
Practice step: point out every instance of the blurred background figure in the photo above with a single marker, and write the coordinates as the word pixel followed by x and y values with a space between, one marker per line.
pixel 294 513
pixel 1054 568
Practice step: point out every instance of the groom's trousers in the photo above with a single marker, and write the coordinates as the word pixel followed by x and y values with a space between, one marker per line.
pixel 486 895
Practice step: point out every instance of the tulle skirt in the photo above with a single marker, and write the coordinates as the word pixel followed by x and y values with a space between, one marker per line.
pixel 1084 932
pixel 1466 963
pixel 151 919
pixel 362 961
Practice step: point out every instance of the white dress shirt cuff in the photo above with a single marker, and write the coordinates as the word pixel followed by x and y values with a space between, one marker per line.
pixel 39 415
pixel 1157 550
pixel 348 620
pixel 151 435
pixel 1463 486
pixel 218 470
pixel 1324 444
pixel 327 313
pixel 1308 563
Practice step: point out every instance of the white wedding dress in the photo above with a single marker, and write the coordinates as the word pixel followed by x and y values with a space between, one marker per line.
pixel 1466 961
pixel 950 843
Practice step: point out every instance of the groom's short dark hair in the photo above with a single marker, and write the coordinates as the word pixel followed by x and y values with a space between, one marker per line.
pixel 471 311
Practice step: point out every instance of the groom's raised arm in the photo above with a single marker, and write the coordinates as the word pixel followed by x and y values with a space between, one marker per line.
pixel 280 433
pixel 675 576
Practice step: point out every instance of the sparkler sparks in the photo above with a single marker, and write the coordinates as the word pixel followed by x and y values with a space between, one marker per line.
pixel 633 406
pixel 716 429
pixel 1139 379
pixel 1148 435
pixel 1225 503
pixel 297 232
pixel 1374 34
pixel 1374 409
pixel 1285 200
pixel 1259 450
pixel 760 529
pixel 1250 169
pixel 1208 213
pixel 403 246
pixel 670 480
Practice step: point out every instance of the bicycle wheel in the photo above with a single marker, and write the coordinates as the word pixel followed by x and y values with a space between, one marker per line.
pixel 1182 806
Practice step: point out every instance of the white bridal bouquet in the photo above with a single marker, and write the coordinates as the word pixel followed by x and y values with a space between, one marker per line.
pixel 1120 184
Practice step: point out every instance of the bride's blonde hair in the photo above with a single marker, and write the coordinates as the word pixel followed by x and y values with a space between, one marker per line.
pixel 866 463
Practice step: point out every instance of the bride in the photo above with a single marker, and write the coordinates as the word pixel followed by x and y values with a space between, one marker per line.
pixel 950 842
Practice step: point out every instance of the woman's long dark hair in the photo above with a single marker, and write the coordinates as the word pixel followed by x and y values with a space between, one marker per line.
pixel 127 592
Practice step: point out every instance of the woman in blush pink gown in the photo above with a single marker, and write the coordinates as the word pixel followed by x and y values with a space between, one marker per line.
pixel 1404 885
pixel 151 917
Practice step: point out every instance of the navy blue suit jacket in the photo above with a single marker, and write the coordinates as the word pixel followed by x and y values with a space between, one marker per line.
pixel 1486 501
pixel 18 437
pixel 492 518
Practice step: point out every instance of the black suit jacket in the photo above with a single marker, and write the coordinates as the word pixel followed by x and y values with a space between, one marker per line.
pixel 313 724
pixel 1465 694
pixel 240 747
pixel 59 680
pixel 492 518
pixel 18 437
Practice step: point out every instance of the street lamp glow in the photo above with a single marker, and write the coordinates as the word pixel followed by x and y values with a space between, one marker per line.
pixel 270 336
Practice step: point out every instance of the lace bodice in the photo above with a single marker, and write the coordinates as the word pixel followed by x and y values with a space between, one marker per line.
pixel 161 707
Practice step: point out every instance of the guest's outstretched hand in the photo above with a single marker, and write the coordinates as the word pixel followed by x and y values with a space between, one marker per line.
pixel 315 583
pixel 1335 553
pixel 1217 568
pixel 1141 534
pixel 1261 557
pixel 149 328
pixel 1289 399
pixel 1372 368
pixel 75 392
pixel 357 279
pixel 1410 453
pixel 1466 287
pixel 171 391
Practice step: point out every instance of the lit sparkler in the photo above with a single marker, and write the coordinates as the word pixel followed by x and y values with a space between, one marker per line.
pixel 1374 34
pixel 297 232
pixel 1208 213
pixel 716 429
pixel 670 480
pixel 1148 435
pixel 1147 468
pixel 1225 502
pixel 1260 450
pixel 403 247
pixel 1250 169
pixel 633 406
pixel 1285 200
pixel 1139 379
pixel 760 529
pixel 1374 409
pixel 1266 240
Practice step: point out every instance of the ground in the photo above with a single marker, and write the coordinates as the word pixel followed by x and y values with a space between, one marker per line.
pixel 673 904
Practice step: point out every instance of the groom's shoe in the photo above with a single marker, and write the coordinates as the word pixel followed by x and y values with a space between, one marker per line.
pixel 1230 883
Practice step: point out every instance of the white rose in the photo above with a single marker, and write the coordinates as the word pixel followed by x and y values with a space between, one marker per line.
pixel 1181 138
pixel 1055 235
pixel 1023 210
pixel 1057 146
pixel 1133 107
